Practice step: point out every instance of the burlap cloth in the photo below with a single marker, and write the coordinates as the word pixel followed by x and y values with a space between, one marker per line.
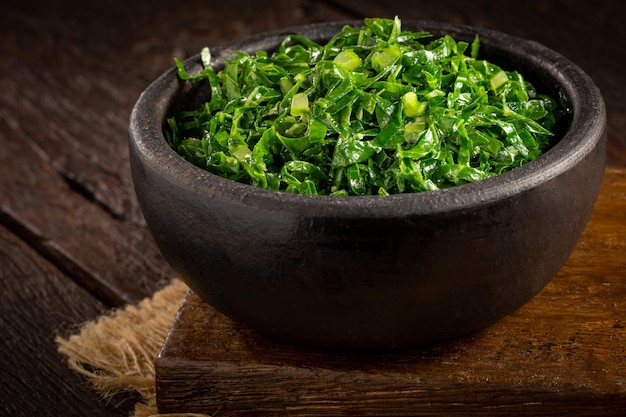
pixel 116 352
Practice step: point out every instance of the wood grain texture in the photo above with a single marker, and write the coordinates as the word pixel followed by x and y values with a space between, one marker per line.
pixel 34 378
pixel 109 258
pixel 563 352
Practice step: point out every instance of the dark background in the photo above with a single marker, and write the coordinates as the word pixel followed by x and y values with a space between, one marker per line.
pixel 72 239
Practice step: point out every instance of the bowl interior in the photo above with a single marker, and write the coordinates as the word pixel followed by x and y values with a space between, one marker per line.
pixel 548 71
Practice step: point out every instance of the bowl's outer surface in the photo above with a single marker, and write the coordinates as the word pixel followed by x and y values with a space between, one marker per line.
pixel 372 272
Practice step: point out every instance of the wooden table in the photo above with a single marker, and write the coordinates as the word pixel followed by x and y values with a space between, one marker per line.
pixel 73 243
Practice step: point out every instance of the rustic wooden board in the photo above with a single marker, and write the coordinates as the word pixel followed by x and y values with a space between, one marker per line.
pixel 565 351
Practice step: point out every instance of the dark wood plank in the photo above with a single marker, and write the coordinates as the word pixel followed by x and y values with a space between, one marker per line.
pixel 562 353
pixel 117 262
pixel 38 302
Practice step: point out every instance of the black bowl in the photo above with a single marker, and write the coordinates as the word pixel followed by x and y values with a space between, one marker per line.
pixel 373 272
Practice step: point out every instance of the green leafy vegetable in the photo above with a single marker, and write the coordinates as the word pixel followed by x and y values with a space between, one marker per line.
pixel 376 110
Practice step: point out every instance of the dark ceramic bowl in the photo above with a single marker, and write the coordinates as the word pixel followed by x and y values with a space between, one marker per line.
pixel 373 272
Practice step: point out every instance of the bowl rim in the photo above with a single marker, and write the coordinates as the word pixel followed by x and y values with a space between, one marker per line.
pixel 587 128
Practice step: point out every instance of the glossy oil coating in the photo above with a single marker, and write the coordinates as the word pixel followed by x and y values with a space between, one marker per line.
pixel 373 272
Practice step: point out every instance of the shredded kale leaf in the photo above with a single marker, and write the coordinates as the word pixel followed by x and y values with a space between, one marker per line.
pixel 376 110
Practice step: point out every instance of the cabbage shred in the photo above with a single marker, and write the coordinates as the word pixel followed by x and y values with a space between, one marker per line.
pixel 374 111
